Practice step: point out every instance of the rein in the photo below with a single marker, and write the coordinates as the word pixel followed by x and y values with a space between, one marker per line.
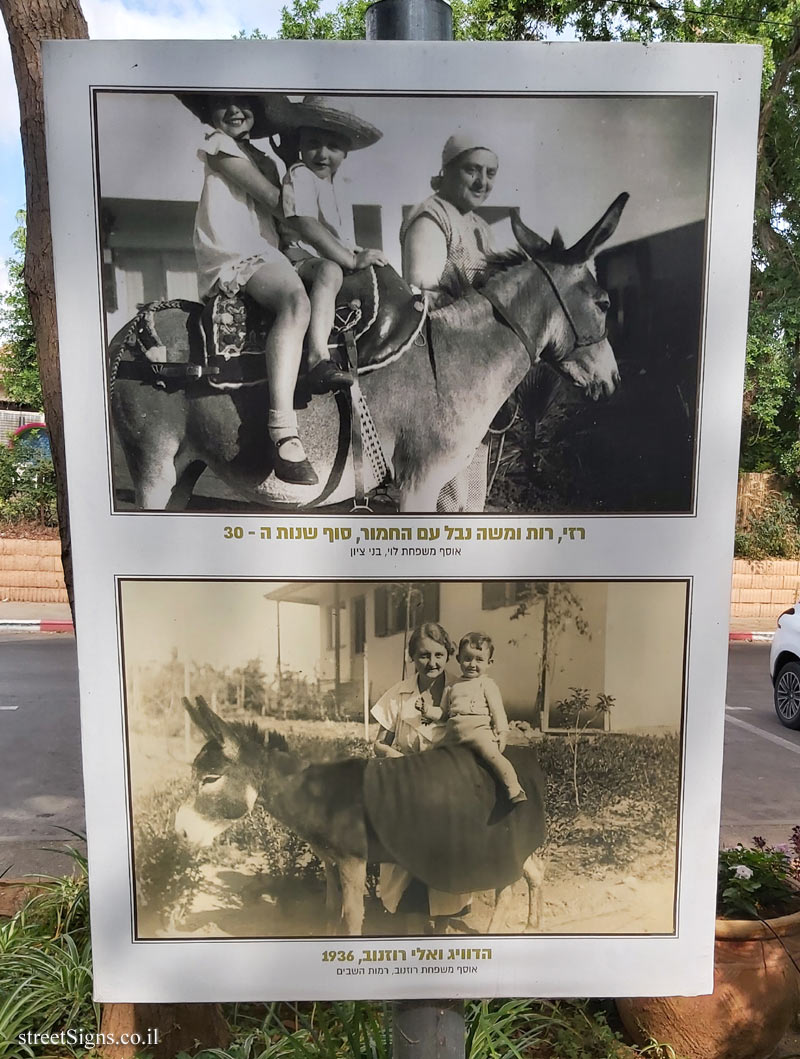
pixel 516 327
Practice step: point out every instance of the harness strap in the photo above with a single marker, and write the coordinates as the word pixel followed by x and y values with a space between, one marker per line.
pixel 580 340
pixel 509 321
pixel 150 371
pixel 342 449
pixel 360 498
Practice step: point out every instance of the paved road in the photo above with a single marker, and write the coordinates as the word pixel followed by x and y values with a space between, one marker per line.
pixel 761 773
pixel 40 766
pixel 40 770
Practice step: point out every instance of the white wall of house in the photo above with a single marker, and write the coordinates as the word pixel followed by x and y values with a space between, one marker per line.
pixel 644 665
pixel 633 648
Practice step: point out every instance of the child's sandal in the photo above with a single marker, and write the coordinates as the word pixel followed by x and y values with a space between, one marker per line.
pixel 297 472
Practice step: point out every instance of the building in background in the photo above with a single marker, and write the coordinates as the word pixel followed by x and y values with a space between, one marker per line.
pixel 608 637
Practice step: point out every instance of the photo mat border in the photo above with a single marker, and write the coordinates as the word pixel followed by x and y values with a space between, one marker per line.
pixel 289 511
pixel 135 937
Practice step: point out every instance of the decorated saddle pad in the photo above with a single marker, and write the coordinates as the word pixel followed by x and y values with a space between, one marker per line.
pixel 375 305
pixel 443 817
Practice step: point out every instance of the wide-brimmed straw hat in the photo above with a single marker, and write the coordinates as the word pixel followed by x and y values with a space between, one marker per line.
pixel 323 112
pixel 201 104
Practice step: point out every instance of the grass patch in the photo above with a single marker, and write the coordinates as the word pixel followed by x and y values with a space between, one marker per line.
pixel 46 983
pixel 45 965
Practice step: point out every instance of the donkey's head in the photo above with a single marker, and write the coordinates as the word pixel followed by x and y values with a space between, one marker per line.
pixel 227 774
pixel 576 342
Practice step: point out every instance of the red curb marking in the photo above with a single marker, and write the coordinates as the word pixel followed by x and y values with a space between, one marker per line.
pixel 56 626
pixel 748 636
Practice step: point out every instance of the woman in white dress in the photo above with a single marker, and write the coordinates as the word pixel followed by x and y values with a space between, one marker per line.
pixel 410 719
pixel 446 246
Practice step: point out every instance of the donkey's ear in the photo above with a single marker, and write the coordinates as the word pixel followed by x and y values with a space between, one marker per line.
pixel 557 242
pixel 212 726
pixel 599 234
pixel 200 716
pixel 531 243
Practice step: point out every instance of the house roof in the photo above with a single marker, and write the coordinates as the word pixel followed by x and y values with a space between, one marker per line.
pixel 313 593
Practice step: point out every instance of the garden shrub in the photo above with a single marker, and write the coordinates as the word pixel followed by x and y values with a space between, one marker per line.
pixel 27 488
pixel 628 791
pixel 167 871
pixel 771 533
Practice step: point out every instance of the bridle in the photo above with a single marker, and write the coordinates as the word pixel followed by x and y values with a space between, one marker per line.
pixel 581 341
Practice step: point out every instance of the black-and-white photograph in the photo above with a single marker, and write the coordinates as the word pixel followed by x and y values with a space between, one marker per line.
pixel 310 759
pixel 414 302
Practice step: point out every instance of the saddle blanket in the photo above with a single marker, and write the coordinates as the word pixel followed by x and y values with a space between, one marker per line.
pixel 442 815
pixel 375 305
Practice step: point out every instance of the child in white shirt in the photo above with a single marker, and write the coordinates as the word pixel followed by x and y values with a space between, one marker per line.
pixel 237 249
pixel 473 708
pixel 319 217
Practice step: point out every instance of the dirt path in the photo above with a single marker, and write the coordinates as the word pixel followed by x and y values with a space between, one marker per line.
pixel 245 902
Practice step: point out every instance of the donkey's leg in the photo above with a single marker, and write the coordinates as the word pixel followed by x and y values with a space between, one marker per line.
pixel 333 895
pixel 502 905
pixel 423 494
pixel 353 876
pixel 154 473
pixel 533 870
pixel 187 480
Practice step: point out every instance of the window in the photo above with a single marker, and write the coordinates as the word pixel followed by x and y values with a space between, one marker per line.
pixel 368 226
pixel 399 607
pixel 495 594
pixel 358 623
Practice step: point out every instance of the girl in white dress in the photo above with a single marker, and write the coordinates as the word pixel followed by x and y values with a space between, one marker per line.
pixel 236 244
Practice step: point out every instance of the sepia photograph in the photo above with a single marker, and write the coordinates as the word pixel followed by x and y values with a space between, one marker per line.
pixel 403 758
pixel 416 303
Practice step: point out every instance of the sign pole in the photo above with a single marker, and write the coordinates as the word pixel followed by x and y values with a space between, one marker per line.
pixel 421 1029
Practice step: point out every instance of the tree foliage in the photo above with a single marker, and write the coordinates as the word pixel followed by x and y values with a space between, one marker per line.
pixel 305 20
pixel 771 406
pixel 18 366
pixel 771 420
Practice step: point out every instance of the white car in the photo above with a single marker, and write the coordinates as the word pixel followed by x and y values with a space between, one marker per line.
pixel 784 668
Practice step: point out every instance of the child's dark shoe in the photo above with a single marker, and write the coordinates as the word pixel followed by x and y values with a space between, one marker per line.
pixel 518 798
pixel 325 377
pixel 296 472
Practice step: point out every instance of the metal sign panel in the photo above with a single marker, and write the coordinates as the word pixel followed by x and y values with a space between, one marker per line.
pixel 476 642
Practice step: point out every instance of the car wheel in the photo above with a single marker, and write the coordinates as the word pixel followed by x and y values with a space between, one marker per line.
pixel 787 695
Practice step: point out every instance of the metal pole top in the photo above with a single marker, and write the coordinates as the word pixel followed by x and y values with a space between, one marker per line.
pixel 409 20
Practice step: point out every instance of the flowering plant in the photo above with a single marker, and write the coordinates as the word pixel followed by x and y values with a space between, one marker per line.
pixel 759 882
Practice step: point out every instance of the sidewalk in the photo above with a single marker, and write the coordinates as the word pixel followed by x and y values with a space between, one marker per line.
pixel 35 617
pixel 56 617
pixel 753 630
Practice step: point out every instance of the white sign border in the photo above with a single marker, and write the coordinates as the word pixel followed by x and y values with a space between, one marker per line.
pixel 698 547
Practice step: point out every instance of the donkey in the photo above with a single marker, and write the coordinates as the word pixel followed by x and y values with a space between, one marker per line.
pixel 430 407
pixel 356 811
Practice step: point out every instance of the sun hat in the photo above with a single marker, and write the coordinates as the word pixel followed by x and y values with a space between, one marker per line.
pixel 463 141
pixel 324 112
pixel 201 104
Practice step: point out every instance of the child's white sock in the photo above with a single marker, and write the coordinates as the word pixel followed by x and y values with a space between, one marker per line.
pixel 281 424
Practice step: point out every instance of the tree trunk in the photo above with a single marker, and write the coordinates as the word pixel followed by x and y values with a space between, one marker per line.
pixel 28 23
pixel 179 1028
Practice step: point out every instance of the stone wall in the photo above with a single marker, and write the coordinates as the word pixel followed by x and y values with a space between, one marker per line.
pixel 31 571
pixel 764 588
